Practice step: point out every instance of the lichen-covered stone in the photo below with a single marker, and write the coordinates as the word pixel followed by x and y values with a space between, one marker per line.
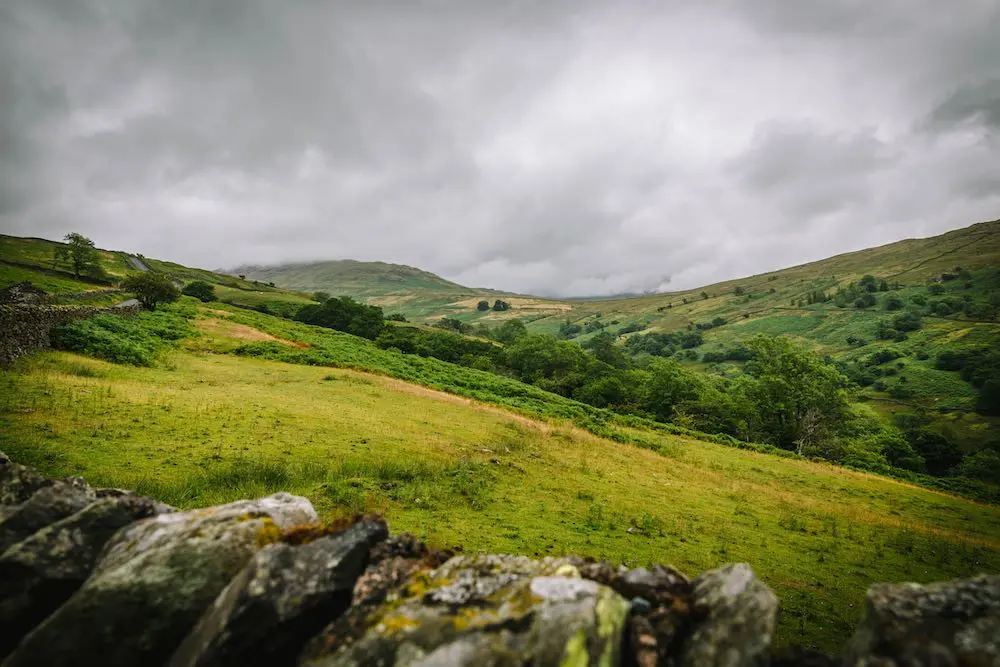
pixel 282 598
pixel 153 581
pixel 488 610
pixel 948 623
pixel 735 616
pixel 46 505
pixel 39 573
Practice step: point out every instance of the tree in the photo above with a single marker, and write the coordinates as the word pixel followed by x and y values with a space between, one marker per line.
pixel 321 297
pixel 739 290
pixel 151 289
pixel 396 317
pixel 796 397
pixel 499 305
pixel 81 255
pixel 893 302
pixel 510 331
pixel 669 385
pixel 199 289
pixel 483 305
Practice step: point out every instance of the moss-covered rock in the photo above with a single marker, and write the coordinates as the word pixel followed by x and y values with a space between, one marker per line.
pixel 488 610
pixel 154 580
pixel 284 596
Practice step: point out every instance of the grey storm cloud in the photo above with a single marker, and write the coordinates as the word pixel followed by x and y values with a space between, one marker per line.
pixel 563 147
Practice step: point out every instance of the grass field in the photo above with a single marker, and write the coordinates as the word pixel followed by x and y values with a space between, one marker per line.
pixel 204 428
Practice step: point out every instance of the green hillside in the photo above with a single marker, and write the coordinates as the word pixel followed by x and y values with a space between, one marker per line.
pixel 239 403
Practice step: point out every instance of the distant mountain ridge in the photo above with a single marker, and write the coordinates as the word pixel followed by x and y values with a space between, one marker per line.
pixel 348 276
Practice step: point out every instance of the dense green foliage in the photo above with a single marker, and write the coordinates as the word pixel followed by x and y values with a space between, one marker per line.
pixel 151 289
pixel 200 290
pixel 138 340
pixel 344 314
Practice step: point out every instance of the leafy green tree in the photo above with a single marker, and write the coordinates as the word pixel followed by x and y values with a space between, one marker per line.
pixel 200 289
pixel 670 384
pixel 321 297
pixel 603 347
pixel 893 302
pixel 797 399
pixel 396 317
pixel 500 306
pixel 510 331
pixel 739 290
pixel 151 289
pixel 483 305
pixel 80 254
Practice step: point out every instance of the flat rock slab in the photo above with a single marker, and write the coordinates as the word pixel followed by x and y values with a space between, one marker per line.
pixel 487 610
pixel 45 506
pixel 154 580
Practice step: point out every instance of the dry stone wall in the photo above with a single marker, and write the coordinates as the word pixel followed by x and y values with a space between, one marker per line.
pixel 24 328
pixel 103 576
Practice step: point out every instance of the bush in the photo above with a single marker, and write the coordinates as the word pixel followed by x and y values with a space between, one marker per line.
pixel 893 302
pixel 200 290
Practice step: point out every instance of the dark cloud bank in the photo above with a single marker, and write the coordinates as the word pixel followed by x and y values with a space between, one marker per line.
pixel 554 147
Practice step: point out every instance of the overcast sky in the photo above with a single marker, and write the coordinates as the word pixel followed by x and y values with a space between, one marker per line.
pixel 556 147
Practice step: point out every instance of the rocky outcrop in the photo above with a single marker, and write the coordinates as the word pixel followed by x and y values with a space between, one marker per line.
pixel 103 576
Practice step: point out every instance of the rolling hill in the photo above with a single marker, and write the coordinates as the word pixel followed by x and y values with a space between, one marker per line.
pixel 237 401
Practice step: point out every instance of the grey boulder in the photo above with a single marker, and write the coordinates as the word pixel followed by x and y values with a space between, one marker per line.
pixel 735 616
pixel 41 572
pixel 947 623
pixel 153 581
pixel 283 597
pixel 46 505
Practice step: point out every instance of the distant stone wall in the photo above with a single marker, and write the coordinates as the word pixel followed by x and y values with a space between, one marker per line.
pixel 25 328
pixel 103 576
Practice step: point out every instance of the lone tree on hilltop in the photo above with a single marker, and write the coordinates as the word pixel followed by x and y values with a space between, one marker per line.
pixel 81 255
pixel 151 289
pixel 199 289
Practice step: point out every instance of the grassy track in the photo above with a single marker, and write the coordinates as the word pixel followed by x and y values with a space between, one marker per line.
pixel 205 428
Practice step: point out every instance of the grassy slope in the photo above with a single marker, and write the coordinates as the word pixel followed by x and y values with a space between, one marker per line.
pixel 207 427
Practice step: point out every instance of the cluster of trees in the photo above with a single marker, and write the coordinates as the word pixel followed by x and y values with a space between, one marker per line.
pixel 980 367
pixel 716 322
pixel 498 305
pixel 663 344
pixel 344 314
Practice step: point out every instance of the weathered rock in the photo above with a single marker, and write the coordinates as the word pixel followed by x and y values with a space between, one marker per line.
pixel 18 482
pixel 153 581
pixel 281 599
pixel 41 572
pixel 735 616
pixel 660 608
pixel 45 506
pixel 948 623
pixel 487 610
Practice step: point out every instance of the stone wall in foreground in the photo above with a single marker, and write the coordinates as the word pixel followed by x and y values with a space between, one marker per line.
pixel 103 576
pixel 25 328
